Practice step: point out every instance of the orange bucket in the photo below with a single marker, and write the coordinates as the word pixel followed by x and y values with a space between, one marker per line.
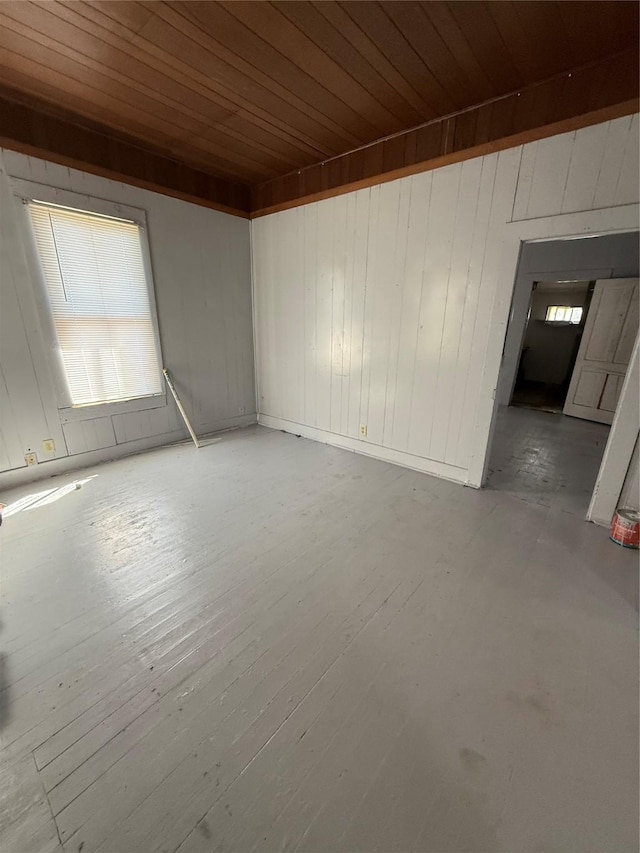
pixel 625 528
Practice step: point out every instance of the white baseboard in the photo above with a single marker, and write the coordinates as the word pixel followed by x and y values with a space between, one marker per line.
pixel 66 464
pixel 367 448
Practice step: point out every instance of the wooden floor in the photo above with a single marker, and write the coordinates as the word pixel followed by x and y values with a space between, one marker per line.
pixel 547 458
pixel 271 644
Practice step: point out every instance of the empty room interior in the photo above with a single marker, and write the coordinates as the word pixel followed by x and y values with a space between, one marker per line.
pixel 319 421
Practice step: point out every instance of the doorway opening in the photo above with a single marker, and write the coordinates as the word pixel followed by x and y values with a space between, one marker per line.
pixel 555 324
pixel 573 324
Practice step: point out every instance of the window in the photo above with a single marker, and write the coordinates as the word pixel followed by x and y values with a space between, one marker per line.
pixel 95 279
pixel 564 314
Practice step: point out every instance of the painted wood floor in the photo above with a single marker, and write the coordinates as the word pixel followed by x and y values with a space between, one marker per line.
pixel 271 644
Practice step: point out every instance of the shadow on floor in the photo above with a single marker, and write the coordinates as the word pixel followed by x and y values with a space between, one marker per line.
pixel 539 395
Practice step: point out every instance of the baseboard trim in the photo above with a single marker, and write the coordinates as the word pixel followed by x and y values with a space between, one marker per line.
pixel 79 461
pixel 367 448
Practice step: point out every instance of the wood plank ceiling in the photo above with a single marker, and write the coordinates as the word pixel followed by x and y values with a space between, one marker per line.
pixel 239 94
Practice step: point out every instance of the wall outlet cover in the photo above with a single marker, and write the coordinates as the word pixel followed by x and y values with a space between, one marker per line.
pixel 31 458
pixel 363 429
pixel 49 445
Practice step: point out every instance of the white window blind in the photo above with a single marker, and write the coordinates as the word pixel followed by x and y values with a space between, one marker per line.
pixel 95 277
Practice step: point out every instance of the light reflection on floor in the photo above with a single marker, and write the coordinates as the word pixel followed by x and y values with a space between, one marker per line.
pixel 40 499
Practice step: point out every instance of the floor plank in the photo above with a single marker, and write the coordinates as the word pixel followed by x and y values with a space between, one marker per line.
pixel 271 644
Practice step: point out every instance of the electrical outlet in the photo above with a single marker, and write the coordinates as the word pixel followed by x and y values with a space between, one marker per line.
pixel 49 445
pixel 31 458
pixel 363 430
pixel 241 410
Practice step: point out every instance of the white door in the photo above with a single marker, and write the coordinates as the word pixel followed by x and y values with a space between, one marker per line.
pixel 605 349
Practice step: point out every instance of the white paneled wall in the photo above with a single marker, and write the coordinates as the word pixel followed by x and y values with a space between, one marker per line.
pixel 202 275
pixel 374 309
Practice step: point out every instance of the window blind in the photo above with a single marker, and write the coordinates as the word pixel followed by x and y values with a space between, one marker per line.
pixel 95 278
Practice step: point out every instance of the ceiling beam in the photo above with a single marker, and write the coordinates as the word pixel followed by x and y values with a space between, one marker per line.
pixel 34 130
pixel 599 91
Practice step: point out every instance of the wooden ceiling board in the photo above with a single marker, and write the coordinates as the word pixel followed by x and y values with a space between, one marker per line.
pixel 253 84
pixel 120 116
pixel 598 29
pixel 164 43
pixel 337 15
pixel 480 30
pixel 336 44
pixel 552 43
pixel 413 21
pixel 525 53
pixel 252 91
pixel 306 70
pixel 263 131
pixel 380 29
pixel 100 82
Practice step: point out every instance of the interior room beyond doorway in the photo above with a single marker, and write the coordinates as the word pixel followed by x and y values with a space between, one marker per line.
pixel 550 344
pixel 556 401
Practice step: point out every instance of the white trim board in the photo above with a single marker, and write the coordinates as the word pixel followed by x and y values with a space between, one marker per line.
pixel 366 448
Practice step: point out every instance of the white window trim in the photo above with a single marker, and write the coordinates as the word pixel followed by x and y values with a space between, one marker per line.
pixel 27 190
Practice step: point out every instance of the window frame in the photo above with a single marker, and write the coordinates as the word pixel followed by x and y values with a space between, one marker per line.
pixel 563 322
pixel 25 191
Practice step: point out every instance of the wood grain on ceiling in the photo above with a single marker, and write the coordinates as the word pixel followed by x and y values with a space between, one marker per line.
pixel 250 91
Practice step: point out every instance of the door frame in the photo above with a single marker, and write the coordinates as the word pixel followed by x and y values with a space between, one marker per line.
pixel 592 223
pixel 620 445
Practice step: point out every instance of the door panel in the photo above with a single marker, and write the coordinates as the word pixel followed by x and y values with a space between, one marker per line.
pixel 589 387
pixel 611 392
pixel 629 331
pixel 605 349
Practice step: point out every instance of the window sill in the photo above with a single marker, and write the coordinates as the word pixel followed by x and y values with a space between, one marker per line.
pixel 90 412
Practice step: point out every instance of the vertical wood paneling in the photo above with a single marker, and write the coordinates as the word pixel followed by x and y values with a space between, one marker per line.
pixel 419 202
pixel 469 312
pixel 373 249
pixel 400 281
pixel 27 410
pixel 202 277
pixel 549 179
pixel 328 266
pixel 448 366
pixel 84 436
pixel 437 260
pixel 339 308
pixel 618 133
pixel 398 273
pixel 358 254
pixel 584 168
pixel 628 180
pixel 382 296
pixel 309 217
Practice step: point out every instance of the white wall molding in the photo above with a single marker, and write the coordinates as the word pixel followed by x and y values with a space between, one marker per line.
pixel 366 448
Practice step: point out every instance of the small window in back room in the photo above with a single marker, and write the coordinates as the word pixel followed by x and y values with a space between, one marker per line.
pixel 99 296
pixel 564 314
